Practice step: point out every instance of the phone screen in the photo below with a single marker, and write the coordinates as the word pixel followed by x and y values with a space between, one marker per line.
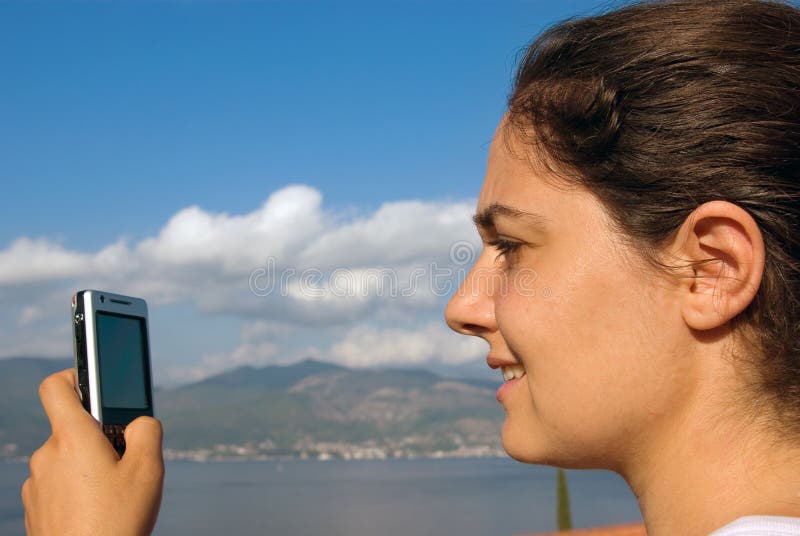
pixel 122 354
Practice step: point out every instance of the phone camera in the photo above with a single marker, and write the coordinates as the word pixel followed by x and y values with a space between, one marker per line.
pixel 102 299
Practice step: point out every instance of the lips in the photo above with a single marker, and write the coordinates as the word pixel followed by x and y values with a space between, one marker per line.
pixel 507 387
pixel 512 373
pixel 497 362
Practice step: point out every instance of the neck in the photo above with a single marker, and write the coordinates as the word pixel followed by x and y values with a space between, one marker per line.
pixel 704 470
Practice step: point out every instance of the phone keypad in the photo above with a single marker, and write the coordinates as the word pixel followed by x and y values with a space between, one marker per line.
pixel 116 434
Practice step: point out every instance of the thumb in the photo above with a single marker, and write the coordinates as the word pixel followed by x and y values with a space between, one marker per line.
pixel 143 437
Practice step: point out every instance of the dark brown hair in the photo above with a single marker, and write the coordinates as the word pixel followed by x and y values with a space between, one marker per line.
pixel 659 107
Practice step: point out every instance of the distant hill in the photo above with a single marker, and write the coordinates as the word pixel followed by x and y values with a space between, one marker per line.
pixel 310 408
pixel 22 419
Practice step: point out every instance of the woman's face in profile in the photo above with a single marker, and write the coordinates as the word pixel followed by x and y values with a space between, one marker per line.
pixel 597 336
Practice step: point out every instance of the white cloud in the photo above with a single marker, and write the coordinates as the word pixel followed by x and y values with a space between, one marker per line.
pixel 256 355
pixel 258 330
pixel 325 269
pixel 368 346
pixel 362 346
pixel 397 233
pixel 30 261
pixel 289 218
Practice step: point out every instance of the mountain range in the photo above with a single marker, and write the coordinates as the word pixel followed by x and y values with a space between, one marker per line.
pixel 307 409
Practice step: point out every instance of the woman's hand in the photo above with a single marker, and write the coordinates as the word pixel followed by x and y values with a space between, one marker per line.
pixel 78 483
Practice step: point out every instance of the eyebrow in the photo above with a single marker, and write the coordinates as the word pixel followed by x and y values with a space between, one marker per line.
pixel 485 218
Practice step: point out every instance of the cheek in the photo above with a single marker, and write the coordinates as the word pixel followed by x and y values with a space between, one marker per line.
pixel 590 350
pixel 559 331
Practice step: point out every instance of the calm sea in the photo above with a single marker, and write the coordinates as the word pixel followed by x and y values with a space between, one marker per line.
pixel 464 497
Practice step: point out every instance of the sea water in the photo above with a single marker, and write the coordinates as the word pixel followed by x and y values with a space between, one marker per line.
pixel 425 497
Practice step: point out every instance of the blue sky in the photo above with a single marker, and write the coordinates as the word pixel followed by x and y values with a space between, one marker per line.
pixel 117 118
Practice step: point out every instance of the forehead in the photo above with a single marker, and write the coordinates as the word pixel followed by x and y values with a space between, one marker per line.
pixel 513 180
pixel 510 178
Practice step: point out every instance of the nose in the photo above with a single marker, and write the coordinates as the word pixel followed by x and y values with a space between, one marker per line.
pixel 471 309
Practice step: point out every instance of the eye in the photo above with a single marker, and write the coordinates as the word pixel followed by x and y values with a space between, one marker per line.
pixel 504 247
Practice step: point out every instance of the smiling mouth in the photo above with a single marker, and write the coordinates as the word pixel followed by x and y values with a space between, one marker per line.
pixel 512 371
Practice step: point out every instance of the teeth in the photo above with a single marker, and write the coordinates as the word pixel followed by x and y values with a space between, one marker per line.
pixel 513 371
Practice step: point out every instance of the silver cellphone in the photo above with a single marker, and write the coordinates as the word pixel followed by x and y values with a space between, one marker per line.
pixel 112 359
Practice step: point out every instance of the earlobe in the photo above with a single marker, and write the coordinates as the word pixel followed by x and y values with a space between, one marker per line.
pixel 725 250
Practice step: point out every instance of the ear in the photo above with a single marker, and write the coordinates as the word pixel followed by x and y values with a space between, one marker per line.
pixel 728 240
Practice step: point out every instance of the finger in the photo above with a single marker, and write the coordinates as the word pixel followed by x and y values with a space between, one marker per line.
pixel 25 492
pixel 41 461
pixel 27 504
pixel 63 405
pixel 34 462
pixel 143 437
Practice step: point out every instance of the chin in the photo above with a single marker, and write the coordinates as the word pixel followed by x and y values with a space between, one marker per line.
pixel 523 447
pixel 532 447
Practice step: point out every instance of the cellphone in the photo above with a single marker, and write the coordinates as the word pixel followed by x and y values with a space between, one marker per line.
pixel 112 360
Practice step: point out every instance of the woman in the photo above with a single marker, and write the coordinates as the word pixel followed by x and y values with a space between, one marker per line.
pixel 639 279
pixel 638 284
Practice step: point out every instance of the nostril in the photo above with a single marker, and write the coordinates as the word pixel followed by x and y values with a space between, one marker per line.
pixel 472 329
pixel 461 327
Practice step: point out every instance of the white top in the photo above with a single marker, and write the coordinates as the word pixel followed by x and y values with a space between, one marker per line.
pixel 761 526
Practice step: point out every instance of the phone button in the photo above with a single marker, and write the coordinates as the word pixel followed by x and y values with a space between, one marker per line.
pixel 116 435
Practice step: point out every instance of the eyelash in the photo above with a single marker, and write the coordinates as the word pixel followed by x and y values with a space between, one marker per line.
pixel 505 247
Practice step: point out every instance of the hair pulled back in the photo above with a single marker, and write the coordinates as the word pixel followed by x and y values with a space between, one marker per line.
pixel 659 107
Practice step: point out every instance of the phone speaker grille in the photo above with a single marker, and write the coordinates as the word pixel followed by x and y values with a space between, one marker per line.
pixel 122 302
